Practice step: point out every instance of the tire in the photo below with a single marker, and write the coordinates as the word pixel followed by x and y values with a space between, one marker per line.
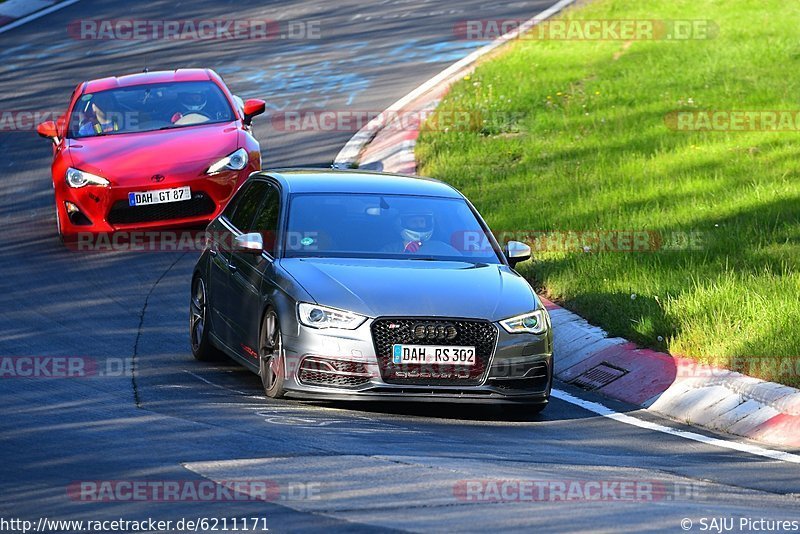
pixel 271 358
pixel 202 348
pixel 58 226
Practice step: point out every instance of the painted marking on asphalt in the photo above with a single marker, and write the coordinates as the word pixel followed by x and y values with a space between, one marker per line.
pixel 314 416
pixel 36 15
pixel 307 417
pixel 299 416
pixel 200 378
pixel 605 411
pixel 593 407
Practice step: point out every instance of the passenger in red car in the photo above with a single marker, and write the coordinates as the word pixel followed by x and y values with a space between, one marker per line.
pixel 99 117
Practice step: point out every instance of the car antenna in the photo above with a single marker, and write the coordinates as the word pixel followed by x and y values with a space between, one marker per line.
pixel 146 68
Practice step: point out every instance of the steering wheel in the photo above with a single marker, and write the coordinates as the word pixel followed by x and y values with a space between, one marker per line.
pixel 193 117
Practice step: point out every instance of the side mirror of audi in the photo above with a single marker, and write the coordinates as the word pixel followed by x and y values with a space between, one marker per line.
pixel 517 252
pixel 252 108
pixel 252 243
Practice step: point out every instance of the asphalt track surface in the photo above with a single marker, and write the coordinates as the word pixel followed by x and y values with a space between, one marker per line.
pixel 336 466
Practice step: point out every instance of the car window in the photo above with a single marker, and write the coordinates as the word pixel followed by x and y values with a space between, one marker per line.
pixel 246 205
pixel 266 221
pixel 230 207
pixel 148 107
pixel 386 226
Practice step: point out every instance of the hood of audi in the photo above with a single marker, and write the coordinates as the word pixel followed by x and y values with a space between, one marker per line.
pixel 414 288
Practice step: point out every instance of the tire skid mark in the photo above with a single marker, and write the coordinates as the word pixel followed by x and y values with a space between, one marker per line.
pixel 134 359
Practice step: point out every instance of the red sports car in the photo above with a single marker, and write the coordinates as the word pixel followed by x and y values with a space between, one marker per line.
pixel 150 150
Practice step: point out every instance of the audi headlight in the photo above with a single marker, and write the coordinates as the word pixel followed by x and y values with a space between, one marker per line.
pixel 317 316
pixel 236 161
pixel 76 178
pixel 531 323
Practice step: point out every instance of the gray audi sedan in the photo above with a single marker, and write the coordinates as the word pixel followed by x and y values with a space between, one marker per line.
pixel 351 285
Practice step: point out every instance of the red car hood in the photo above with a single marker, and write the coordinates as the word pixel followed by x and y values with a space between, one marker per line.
pixel 124 158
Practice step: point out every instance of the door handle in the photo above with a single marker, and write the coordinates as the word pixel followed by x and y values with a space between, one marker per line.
pixel 232 268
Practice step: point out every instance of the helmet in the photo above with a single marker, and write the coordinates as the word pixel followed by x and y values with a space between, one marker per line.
pixel 192 101
pixel 416 226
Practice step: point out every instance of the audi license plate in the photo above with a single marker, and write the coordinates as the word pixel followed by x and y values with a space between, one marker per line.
pixel 159 196
pixel 432 354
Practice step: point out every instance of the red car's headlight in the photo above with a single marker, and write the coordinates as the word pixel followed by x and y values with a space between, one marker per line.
pixel 77 178
pixel 236 161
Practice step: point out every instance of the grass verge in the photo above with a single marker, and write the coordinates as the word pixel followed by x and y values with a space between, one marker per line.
pixel 581 140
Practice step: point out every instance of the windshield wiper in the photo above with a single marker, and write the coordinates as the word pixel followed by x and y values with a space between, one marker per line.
pixel 474 263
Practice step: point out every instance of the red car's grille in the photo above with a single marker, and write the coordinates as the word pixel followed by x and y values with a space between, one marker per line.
pixel 199 205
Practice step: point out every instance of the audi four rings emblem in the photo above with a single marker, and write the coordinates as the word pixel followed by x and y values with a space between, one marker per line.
pixel 435 331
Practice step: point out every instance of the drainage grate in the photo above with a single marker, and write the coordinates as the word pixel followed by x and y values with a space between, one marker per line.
pixel 598 376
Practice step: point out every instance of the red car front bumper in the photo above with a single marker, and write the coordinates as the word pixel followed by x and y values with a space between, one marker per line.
pixel 107 209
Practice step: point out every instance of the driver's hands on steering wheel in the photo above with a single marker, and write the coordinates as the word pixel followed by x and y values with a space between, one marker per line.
pixel 192 117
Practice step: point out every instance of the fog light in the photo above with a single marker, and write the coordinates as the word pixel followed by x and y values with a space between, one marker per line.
pixel 75 215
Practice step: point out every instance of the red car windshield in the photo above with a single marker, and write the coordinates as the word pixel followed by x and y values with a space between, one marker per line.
pixel 145 108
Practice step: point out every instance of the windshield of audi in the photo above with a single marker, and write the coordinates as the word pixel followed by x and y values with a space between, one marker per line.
pixel 145 108
pixel 386 226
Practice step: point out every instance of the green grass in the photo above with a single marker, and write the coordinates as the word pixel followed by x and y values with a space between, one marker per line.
pixel 586 147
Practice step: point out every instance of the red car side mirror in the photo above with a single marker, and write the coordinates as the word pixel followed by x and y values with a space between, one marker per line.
pixel 47 129
pixel 252 108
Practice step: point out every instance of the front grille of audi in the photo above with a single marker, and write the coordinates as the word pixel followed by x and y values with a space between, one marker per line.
pixel 200 204
pixel 332 373
pixel 387 332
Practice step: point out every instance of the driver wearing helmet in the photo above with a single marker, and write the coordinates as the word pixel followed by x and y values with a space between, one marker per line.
pixel 415 229
pixel 190 102
pixel 99 116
